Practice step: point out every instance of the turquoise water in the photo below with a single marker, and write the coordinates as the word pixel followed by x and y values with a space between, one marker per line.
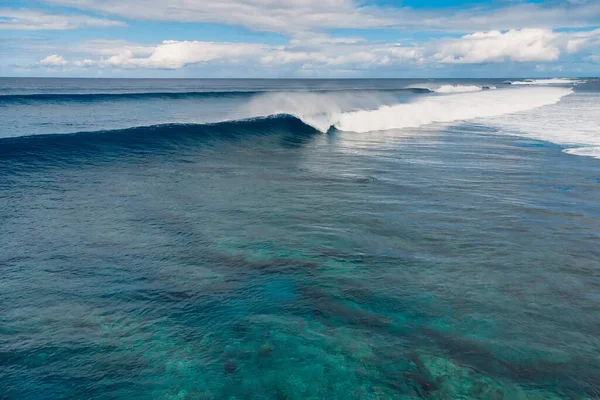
pixel 266 260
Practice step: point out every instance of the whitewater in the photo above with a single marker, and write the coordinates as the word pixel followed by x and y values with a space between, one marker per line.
pixel 451 108
pixel 540 110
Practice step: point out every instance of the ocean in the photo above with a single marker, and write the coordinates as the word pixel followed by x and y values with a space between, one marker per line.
pixel 299 239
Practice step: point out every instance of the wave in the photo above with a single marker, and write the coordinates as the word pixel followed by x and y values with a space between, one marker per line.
pixel 311 112
pixel 139 140
pixel 456 107
pixel 93 97
pixel 318 110
pixel 458 89
pixel 89 97
pixel 553 81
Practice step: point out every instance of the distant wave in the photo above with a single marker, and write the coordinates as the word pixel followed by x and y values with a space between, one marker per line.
pixel 87 97
pixel 91 97
pixel 553 81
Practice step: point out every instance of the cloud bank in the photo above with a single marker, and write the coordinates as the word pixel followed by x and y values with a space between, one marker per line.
pixel 314 36
pixel 293 16
pixel 314 51
pixel 24 19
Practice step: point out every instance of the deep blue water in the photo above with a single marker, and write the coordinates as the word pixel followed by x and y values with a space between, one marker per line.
pixel 162 253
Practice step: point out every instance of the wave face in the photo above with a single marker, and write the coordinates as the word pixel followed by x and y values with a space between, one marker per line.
pixel 457 107
pixel 138 141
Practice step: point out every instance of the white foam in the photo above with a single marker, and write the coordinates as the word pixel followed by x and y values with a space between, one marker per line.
pixel 552 81
pixel 455 107
pixel 457 89
pixel 585 151
pixel 573 123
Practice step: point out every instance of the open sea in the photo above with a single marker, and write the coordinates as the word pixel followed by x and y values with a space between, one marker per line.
pixel 299 239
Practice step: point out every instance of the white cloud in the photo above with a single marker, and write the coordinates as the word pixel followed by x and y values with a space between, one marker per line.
pixel 525 45
pixel 546 68
pixel 362 57
pixel 286 16
pixel 173 54
pixel 53 60
pixel 301 53
pixel 85 63
pixel 293 16
pixel 581 41
pixel 322 53
pixel 544 15
pixel 24 19
pixel 110 47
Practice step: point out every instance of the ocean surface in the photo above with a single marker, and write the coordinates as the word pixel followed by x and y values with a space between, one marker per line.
pixel 299 239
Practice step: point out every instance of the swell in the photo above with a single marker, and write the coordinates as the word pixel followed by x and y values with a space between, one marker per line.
pixel 93 97
pixel 294 122
pixel 141 141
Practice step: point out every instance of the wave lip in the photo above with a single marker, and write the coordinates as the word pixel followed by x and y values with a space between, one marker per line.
pixel 455 107
pixel 458 89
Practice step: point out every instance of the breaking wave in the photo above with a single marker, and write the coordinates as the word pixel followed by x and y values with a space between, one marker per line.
pixel 380 110
pixel 458 89
pixel 376 112
pixel 457 107
pixel 553 81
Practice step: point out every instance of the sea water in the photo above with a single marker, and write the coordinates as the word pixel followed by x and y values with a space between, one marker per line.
pixel 294 239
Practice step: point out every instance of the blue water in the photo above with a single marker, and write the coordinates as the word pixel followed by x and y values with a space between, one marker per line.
pixel 154 245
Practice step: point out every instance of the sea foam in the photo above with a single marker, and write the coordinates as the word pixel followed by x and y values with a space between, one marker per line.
pixel 573 124
pixel 456 107
pixel 552 81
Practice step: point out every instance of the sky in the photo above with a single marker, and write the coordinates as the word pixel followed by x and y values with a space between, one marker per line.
pixel 300 38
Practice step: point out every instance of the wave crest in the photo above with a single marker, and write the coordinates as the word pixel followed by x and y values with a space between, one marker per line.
pixel 458 89
pixel 450 108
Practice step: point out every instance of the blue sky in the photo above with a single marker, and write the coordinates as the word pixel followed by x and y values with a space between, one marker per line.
pixel 300 38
